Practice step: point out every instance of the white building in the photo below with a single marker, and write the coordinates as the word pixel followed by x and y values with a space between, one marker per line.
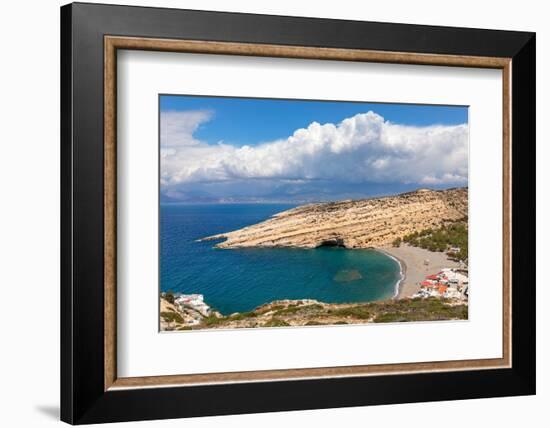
pixel 195 302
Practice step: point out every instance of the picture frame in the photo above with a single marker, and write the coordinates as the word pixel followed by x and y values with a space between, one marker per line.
pixel 91 35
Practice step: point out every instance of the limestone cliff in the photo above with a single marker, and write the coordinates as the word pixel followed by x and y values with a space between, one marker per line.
pixel 361 223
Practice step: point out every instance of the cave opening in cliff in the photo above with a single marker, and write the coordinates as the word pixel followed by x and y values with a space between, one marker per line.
pixel 335 242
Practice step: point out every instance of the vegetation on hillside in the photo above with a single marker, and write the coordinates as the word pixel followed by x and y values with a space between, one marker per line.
pixel 171 317
pixel 298 313
pixel 443 239
pixel 396 242
pixel 169 296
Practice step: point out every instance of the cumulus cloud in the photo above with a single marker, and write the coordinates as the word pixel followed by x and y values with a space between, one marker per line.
pixel 177 127
pixel 362 148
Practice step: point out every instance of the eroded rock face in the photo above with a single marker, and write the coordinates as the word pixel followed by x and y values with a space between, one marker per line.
pixel 362 223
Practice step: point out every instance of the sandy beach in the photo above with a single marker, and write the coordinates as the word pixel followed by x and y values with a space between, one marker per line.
pixel 413 267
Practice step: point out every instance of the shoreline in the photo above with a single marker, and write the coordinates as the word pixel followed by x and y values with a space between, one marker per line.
pixel 402 273
pixel 308 312
pixel 414 268
pixel 414 265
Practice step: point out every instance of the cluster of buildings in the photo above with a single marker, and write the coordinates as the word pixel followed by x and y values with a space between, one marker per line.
pixel 194 302
pixel 449 283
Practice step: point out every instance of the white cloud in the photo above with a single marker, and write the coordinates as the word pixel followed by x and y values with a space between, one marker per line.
pixel 177 127
pixel 362 148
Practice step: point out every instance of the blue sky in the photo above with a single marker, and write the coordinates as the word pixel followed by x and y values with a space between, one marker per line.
pixel 280 118
pixel 218 149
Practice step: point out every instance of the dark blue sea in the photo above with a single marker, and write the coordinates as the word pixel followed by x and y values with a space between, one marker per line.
pixel 237 280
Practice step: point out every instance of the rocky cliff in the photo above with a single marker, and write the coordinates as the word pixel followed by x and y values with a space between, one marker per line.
pixel 361 223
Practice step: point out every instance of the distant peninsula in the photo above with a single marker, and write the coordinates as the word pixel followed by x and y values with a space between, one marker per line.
pixel 364 223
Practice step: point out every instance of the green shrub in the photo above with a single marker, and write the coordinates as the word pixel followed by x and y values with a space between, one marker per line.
pixel 360 312
pixel 273 322
pixel 171 317
pixel 212 320
pixel 431 309
pixel 289 310
pixel 242 316
pixel 452 235
pixel 169 297
pixel 273 308
pixel 396 242
pixel 390 317
pixel 293 309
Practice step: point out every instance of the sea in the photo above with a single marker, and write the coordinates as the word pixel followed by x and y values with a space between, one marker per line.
pixel 239 280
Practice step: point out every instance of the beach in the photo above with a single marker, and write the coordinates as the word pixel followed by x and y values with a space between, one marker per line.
pixel 413 266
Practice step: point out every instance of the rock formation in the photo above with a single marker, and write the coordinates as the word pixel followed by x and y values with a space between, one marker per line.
pixel 364 223
pixel 307 312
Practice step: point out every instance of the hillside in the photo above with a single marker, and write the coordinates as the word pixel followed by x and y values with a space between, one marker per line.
pixel 364 223
pixel 285 313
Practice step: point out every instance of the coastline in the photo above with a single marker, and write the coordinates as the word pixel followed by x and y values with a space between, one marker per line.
pixel 402 272
pixel 360 223
pixel 413 267
pixel 309 313
pixel 414 263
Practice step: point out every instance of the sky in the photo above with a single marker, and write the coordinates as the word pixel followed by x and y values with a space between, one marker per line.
pixel 223 149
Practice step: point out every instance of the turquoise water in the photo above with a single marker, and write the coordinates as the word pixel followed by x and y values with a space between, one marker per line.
pixel 237 280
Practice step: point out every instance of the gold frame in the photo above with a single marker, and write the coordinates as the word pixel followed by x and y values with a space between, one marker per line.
pixel 113 43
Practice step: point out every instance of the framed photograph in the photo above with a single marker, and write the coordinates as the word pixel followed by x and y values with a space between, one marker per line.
pixel 266 213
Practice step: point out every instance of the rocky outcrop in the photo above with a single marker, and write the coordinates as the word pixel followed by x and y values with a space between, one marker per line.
pixel 362 223
pixel 307 312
